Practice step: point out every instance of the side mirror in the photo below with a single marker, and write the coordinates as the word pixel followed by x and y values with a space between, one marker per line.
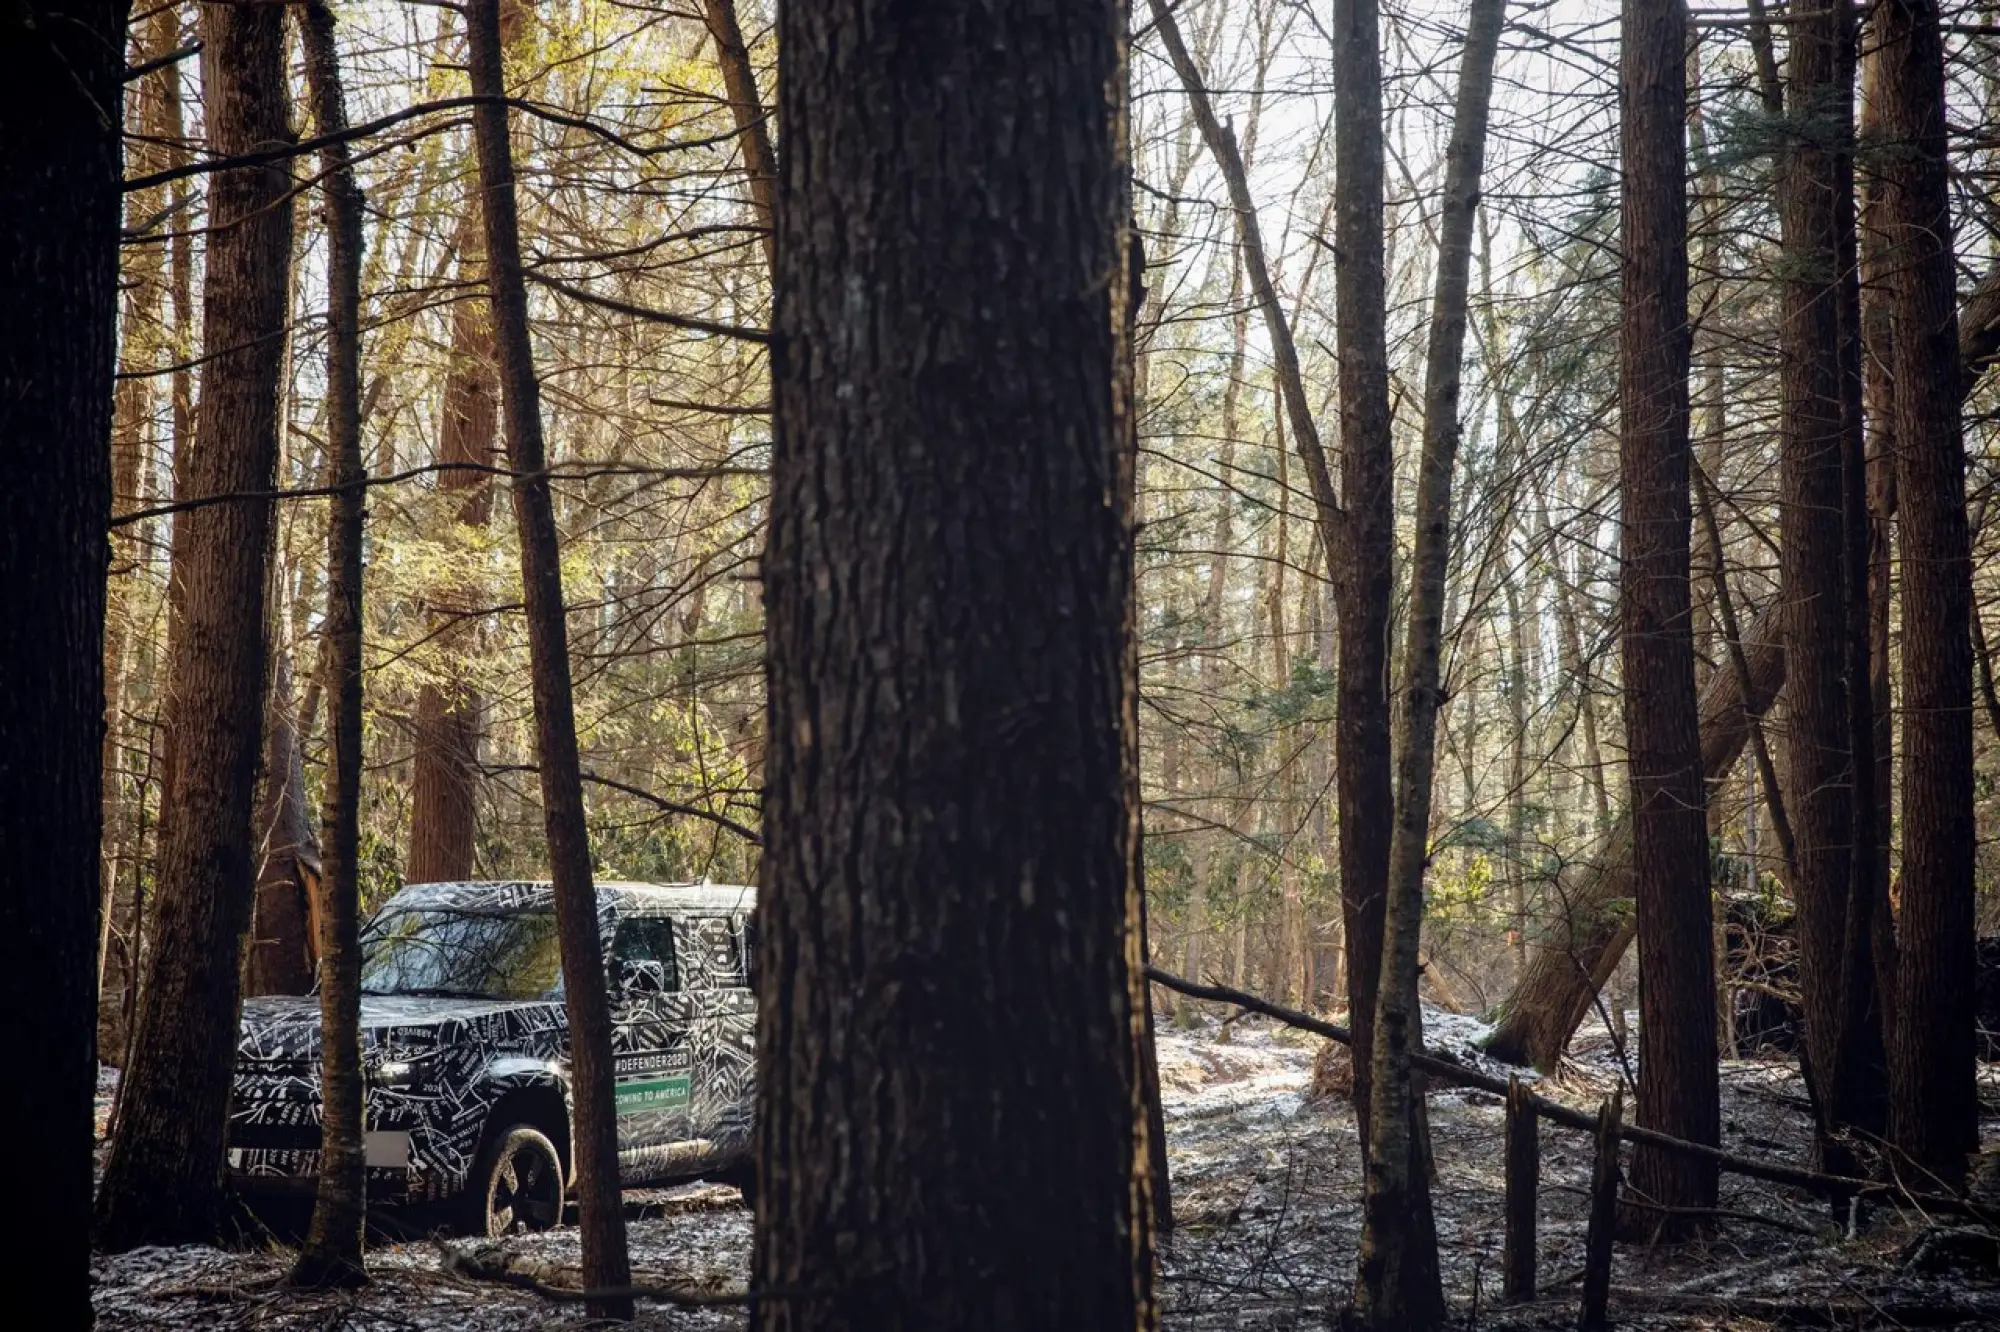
pixel 642 978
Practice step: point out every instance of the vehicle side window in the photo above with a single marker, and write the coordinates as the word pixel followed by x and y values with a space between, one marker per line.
pixel 642 956
pixel 713 954
pixel 747 932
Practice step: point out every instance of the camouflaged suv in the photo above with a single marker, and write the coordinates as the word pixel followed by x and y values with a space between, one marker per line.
pixel 465 1046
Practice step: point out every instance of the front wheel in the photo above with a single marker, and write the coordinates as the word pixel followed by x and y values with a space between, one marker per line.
pixel 516 1184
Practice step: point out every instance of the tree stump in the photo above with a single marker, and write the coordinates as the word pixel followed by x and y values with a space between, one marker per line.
pixel 1603 1216
pixel 1524 1168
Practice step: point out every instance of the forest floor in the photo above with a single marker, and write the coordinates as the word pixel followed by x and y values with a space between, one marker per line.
pixel 1267 1194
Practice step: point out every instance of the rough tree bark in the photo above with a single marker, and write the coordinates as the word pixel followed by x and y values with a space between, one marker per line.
pixel 1933 1114
pixel 1677 1068
pixel 1400 1286
pixel 164 1182
pixel 595 1134
pixel 60 118
pixel 1821 791
pixel 950 1127
pixel 332 1254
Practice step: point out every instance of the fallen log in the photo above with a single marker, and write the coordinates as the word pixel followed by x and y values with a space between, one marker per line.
pixel 1448 1070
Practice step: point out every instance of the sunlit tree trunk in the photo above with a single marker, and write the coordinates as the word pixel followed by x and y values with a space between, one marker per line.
pixel 594 1135
pixel 331 1255
pixel 1399 1285
pixel 164 1182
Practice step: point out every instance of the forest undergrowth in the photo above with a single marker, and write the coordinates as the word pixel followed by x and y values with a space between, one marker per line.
pixel 1267 1200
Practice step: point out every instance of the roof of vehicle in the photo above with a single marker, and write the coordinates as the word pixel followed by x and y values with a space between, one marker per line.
pixel 614 895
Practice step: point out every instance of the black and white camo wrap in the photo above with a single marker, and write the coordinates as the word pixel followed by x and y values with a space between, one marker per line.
pixel 685 1060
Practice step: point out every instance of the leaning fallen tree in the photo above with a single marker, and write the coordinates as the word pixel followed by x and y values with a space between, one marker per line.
pixel 1593 923
pixel 1593 901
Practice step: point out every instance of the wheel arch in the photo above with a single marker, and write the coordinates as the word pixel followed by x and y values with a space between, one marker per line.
pixel 537 1096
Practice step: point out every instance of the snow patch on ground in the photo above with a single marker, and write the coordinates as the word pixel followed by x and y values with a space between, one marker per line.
pixel 1267 1193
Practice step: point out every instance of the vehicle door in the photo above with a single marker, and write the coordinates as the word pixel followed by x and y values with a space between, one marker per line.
pixel 652 1051
pixel 715 966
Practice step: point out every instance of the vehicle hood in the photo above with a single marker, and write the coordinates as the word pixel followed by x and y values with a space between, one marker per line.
pixel 284 1029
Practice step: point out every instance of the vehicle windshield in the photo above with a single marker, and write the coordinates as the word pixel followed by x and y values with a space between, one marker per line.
pixel 462 954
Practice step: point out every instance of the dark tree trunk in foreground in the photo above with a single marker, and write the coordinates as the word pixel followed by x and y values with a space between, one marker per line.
pixel 332 1252
pixel 60 116
pixel 1400 1287
pixel 164 1183
pixel 1934 1108
pixel 595 1135
pixel 1363 573
pixel 950 1118
pixel 1821 794
pixel 1677 1074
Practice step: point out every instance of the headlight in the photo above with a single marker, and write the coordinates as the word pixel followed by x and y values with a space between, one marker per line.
pixel 396 1073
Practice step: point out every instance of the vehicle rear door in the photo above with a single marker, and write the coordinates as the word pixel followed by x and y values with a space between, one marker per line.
pixel 652 1051
pixel 715 965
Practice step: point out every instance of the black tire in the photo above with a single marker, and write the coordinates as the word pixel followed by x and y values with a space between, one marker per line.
pixel 743 1176
pixel 516 1184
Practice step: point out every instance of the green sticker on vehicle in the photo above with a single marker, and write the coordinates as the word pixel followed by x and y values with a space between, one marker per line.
pixel 640 1095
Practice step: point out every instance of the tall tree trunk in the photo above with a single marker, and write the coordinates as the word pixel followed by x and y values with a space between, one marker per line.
pixel 1517 775
pixel 1821 792
pixel 1878 414
pixel 164 1182
pixel 595 1135
pixel 1862 1077
pixel 1362 568
pixel 949 1000
pixel 144 276
pixel 1677 1067
pixel 746 109
pixel 1400 1287
pixel 60 123
pixel 450 714
pixel 332 1252
pixel 1934 1107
